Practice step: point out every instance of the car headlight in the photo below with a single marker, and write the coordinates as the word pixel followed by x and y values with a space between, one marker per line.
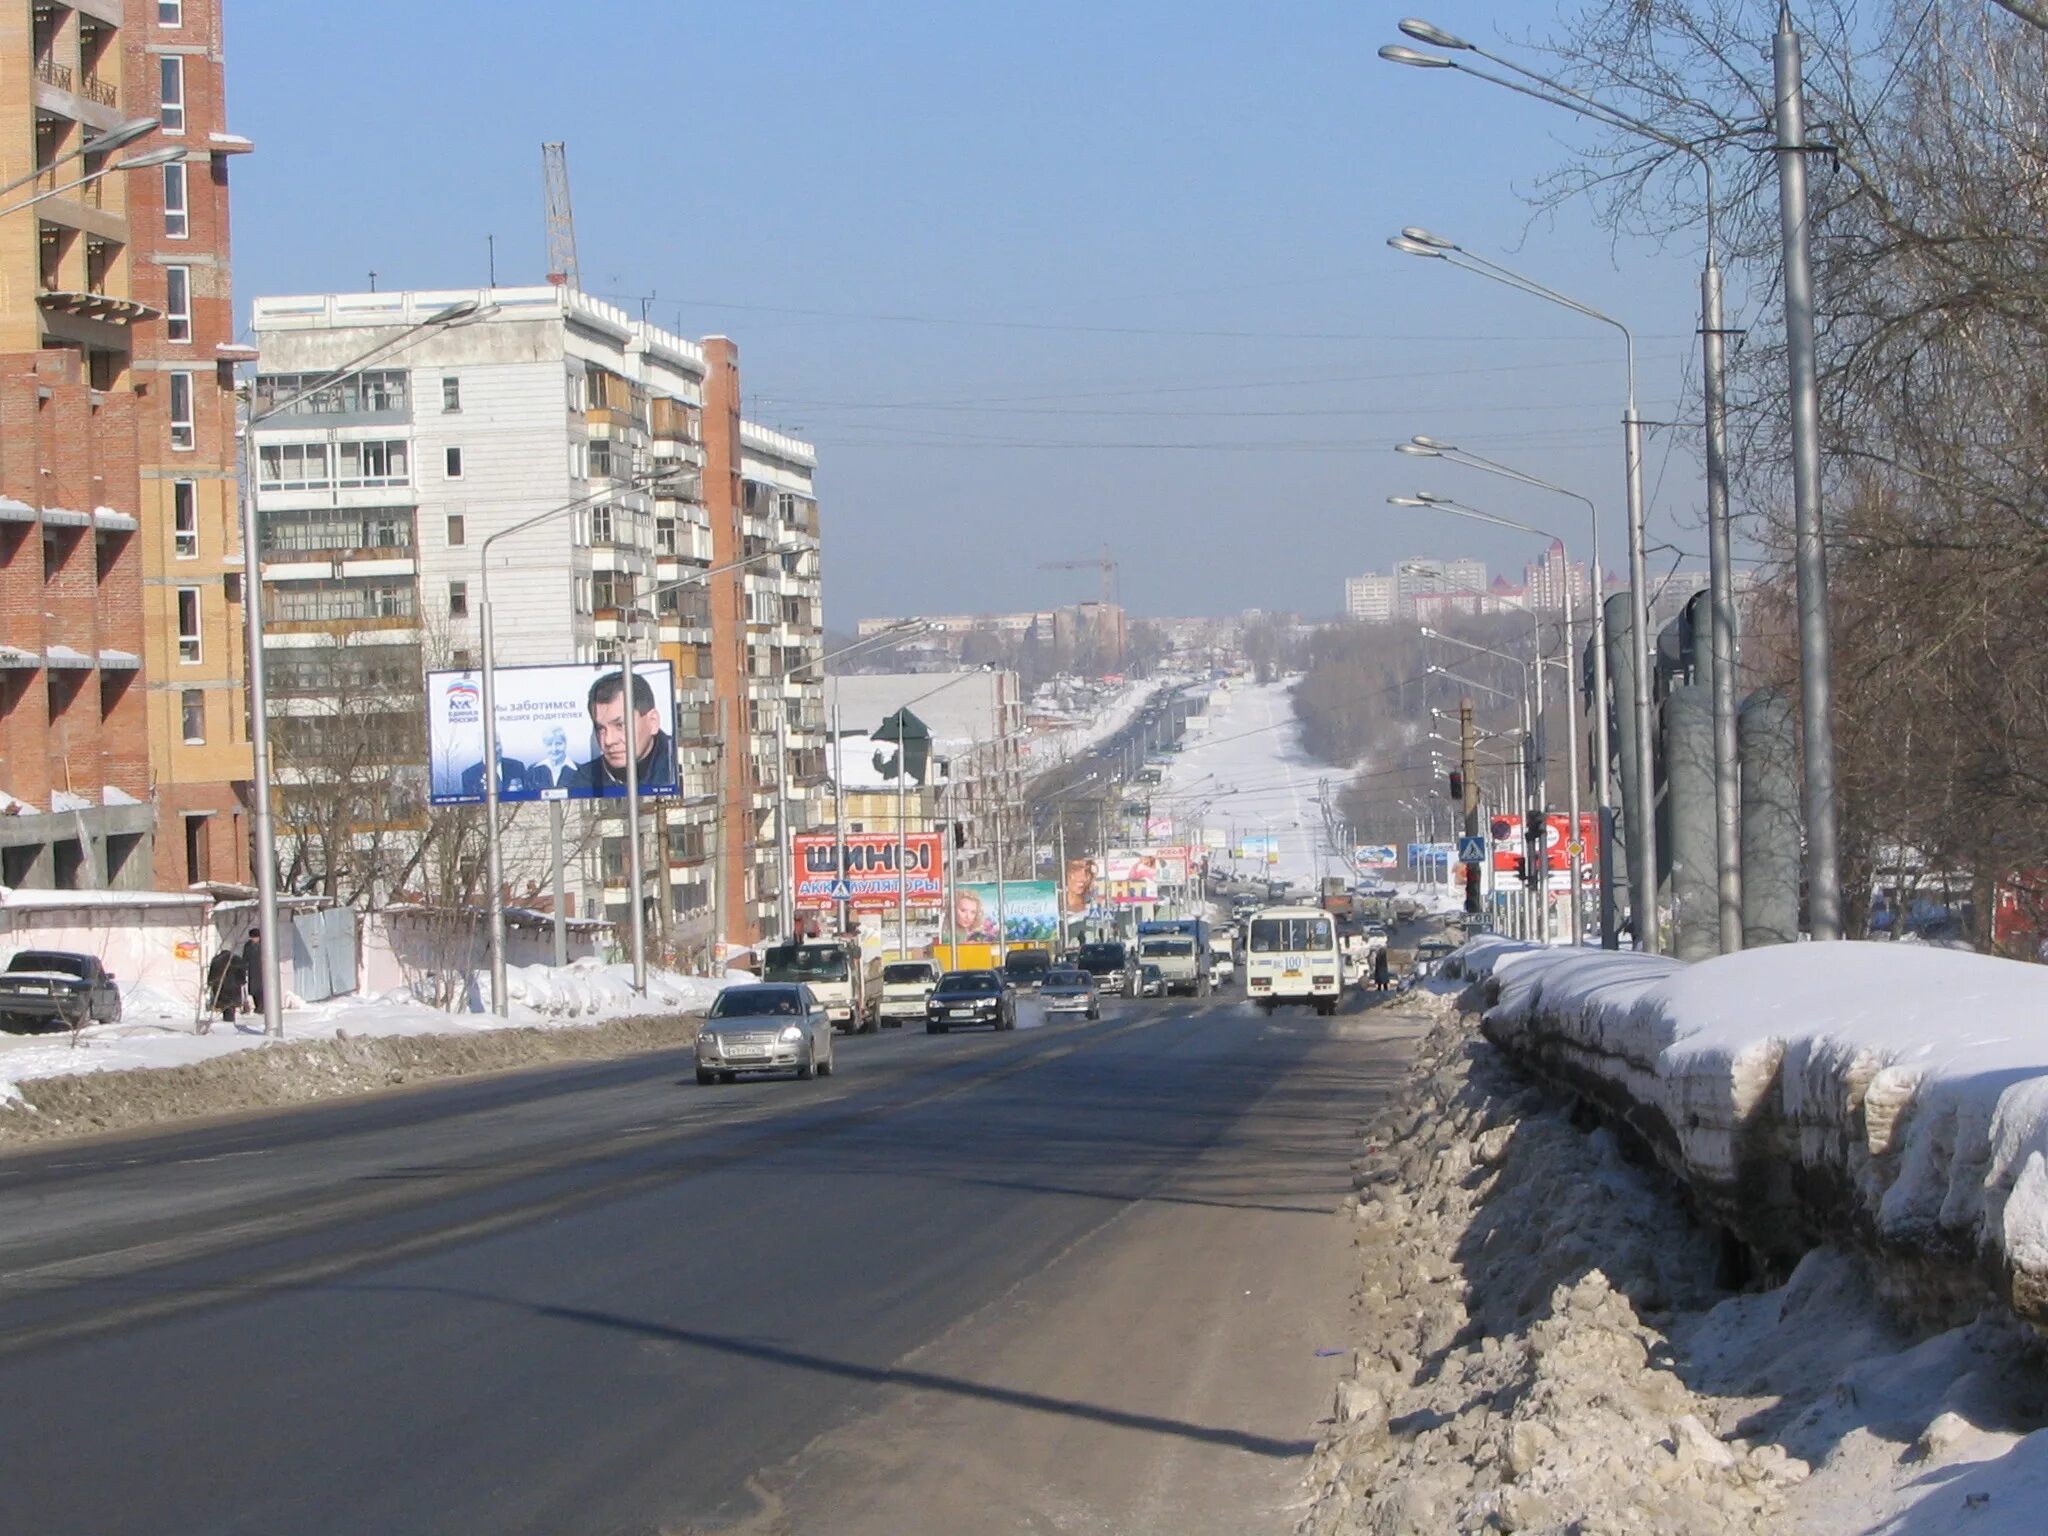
pixel 791 1033
pixel 708 1044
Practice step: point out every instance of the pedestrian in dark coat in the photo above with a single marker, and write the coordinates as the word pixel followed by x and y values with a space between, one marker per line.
pixel 1380 977
pixel 225 981
pixel 252 968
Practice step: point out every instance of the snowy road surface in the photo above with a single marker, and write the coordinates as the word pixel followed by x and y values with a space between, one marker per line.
pixel 1249 776
pixel 1070 1278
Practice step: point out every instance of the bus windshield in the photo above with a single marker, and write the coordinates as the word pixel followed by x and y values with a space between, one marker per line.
pixel 1290 935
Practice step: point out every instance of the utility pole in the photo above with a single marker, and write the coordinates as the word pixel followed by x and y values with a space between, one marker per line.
pixel 839 820
pixel 1468 775
pixel 1823 874
pixel 718 880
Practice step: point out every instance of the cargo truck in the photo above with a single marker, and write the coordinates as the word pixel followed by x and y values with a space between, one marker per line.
pixel 834 974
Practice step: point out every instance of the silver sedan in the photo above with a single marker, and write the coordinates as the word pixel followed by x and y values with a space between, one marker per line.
pixel 769 1027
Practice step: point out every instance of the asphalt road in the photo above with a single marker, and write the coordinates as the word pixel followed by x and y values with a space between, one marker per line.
pixel 1069 1278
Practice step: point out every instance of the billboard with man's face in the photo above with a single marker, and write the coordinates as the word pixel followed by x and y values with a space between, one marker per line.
pixel 562 732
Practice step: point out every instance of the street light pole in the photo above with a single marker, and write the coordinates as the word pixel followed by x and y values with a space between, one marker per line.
pixel 1823 873
pixel 1713 354
pixel 1642 837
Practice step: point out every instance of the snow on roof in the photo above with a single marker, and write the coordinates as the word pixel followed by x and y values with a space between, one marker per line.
pixel 65 800
pixel 14 899
pixel 107 517
pixel 64 517
pixel 11 806
pixel 109 795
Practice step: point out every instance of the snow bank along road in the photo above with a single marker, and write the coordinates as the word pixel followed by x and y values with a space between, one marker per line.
pixel 1548 1344
pixel 1078 1277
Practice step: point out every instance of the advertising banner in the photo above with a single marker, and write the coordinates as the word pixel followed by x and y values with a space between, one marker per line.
pixel 1373 856
pixel 561 732
pixel 1131 877
pixel 1158 829
pixel 1030 912
pixel 870 876
pixel 1431 855
pixel 1258 847
pixel 1508 845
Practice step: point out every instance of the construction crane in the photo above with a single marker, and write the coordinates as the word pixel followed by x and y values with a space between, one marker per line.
pixel 1106 563
pixel 554 172
pixel 1110 615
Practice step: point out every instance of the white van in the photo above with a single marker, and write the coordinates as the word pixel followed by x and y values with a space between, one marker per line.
pixel 1291 957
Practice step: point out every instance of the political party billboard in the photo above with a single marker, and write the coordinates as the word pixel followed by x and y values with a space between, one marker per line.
pixel 1029 912
pixel 872 883
pixel 1373 856
pixel 561 732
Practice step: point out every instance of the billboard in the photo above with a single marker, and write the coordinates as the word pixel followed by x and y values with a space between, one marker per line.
pixel 871 870
pixel 1373 856
pixel 1265 845
pixel 1029 910
pixel 1431 854
pixel 1131 876
pixel 561 732
pixel 1507 845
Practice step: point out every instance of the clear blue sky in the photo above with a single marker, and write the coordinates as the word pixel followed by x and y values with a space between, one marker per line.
pixel 1035 278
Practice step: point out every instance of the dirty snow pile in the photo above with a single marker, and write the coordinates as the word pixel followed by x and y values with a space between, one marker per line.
pixel 158 1030
pixel 1544 1348
pixel 1898 1092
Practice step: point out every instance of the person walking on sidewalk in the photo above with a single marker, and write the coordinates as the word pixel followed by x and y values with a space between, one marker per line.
pixel 225 981
pixel 252 968
pixel 1380 977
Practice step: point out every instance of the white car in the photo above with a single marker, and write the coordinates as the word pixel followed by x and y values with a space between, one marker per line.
pixel 906 987
pixel 764 1027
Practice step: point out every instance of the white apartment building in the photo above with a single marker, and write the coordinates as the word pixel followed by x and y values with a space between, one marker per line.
pixel 1549 579
pixel 544 406
pixel 1369 599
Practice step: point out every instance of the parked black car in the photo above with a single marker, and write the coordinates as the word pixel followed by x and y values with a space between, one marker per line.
pixel 968 999
pixel 41 988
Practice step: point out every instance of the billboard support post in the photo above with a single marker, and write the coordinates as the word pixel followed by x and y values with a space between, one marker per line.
pixel 556 812
pixel 1002 914
pixel 501 998
pixel 635 876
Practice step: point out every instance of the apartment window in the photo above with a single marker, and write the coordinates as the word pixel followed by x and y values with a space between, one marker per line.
pixel 193 707
pixel 188 624
pixel 177 222
pixel 451 393
pixel 170 13
pixel 601 525
pixel 293 466
pixel 185 519
pixel 452 463
pixel 373 463
pixel 177 303
pixel 458 599
pixel 170 71
pixel 456 531
pixel 579 462
pixel 182 434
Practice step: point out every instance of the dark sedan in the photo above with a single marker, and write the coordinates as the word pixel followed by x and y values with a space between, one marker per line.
pixel 966 999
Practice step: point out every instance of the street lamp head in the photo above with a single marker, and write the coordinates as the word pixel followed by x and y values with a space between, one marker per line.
pixel 170 154
pixel 1395 53
pixel 1417 450
pixel 1426 237
pixel 1409 247
pixel 1432 499
pixel 1436 37
pixel 1406 501
pixel 115 137
pixel 1433 444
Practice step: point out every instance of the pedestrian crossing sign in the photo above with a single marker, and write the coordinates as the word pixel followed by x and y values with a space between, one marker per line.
pixel 840 891
pixel 1472 850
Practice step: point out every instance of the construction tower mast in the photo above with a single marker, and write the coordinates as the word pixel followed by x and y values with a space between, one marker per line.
pixel 1110 613
pixel 554 170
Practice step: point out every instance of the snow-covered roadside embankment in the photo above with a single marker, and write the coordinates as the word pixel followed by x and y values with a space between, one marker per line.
pixel 1544 1348
pixel 1889 1097
pixel 154 1066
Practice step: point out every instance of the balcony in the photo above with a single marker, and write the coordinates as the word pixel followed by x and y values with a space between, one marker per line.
pixel 102 92
pixel 50 72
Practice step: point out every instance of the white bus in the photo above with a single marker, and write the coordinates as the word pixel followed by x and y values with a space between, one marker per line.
pixel 1291 956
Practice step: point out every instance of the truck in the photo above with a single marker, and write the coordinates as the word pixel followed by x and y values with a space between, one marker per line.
pixel 1223 953
pixel 1180 948
pixel 833 972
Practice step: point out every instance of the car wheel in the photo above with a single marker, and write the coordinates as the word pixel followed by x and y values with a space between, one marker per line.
pixel 1094 1014
pixel 706 1077
pixel 930 1028
pixel 728 1077
pixel 872 1025
pixel 805 1071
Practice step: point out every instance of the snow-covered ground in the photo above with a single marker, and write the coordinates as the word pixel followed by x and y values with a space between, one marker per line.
pixel 159 1031
pixel 1051 748
pixel 1248 776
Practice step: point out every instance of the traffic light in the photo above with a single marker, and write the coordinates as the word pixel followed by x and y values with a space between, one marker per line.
pixel 1521 867
pixel 1457 785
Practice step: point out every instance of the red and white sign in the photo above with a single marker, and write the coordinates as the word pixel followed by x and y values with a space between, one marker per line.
pixel 871 871
pixel 1508 846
